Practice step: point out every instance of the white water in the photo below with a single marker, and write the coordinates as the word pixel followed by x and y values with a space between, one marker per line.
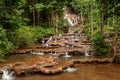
pixel 47 43
pixel 72 21
pixel 86 51
pixel 40 53
pixel 69 69
pixel 43 42
pixel 6 75
pixel 37 53
pixel 66 54
pixel 86 54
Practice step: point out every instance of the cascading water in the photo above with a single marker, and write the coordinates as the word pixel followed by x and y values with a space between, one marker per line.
pixel 86 50
pixel 48 41
pixel 69 69
pixel 43 42
pixel 40 53
pixel 72 19
pixel 66 54
pixel 6 75
pixel 36 53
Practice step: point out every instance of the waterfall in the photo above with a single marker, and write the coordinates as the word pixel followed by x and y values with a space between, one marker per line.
pixel 43 42
pixel 7 75
pixel 86 50
pixel 37 53
pixel 71 18
pixel 40 53
pixel 69 69
pixel 48 41
pixel 66 54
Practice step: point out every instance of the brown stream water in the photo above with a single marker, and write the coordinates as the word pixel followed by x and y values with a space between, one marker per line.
pixel 92 71
pixel 83 72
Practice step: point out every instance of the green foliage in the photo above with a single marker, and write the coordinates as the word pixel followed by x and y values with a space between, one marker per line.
pixel 27 35
pixel 39 6
pixel 5 45
pixel 23 36
pixel 101 47
pixel 40 32
pixel 76 30
pixel 81 6
pixel 88 30
pixel 11 16
pixel 63 23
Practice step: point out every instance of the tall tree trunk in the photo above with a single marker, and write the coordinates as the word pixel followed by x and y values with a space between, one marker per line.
pixel 33 12
pixel 56 23
pixel 51 19
pixel 116 37
pixel 81 16
pixel 102 20
pixel 113 16
pixel 38 17
pixel 92 18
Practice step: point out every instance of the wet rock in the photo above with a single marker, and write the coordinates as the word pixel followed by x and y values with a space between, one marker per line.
pixel 19 64
pixel 46 65
pixel 19 70
pixel 1 72
pixel 22 51
pixel 102 60
pixel 58 43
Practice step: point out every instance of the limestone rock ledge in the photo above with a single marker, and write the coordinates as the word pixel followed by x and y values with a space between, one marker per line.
pixel 46 65
pixel 49 65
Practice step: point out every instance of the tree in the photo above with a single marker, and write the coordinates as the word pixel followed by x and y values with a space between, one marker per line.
pixel 113 7
pixel 11 14
pixel 39 7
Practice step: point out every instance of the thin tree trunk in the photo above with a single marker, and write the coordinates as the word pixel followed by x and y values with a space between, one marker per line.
pixel 113 16
pixel 108 22
pixel 81 16
pixel 51 20
pixel 38 17
pixel 56 23
pixel 102 20
pixel 33 12
pixel 116 37
pixel 92 18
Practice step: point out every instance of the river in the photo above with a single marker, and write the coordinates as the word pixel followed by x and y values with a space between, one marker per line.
pixel 92 71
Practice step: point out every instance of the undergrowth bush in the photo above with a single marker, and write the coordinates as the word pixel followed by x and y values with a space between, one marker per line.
pixel 101 47
pixel 27 35
pixel 5 45
pixel 23 36
pixel 40 32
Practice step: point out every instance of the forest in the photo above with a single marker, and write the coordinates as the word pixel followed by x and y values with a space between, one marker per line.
pixel 24 22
